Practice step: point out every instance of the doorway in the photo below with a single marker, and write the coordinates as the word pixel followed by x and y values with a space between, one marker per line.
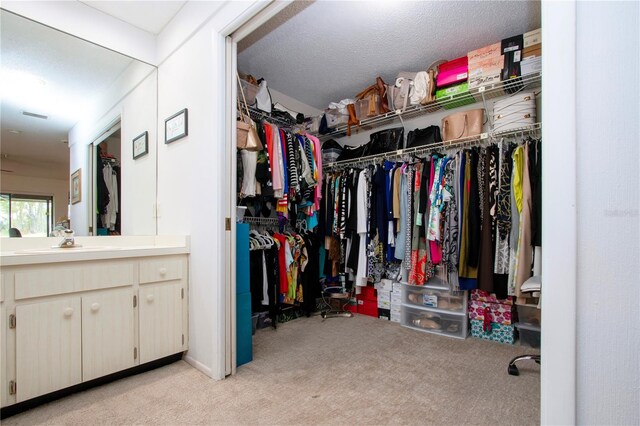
pixel 105 206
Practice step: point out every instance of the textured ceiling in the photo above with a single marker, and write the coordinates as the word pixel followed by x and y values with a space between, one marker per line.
pixel 150 16
pixel 50 73
pixel 329 50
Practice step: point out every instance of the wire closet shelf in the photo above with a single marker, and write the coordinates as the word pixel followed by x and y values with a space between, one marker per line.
pixel 272 221
pixel 454 144
pixel 479 94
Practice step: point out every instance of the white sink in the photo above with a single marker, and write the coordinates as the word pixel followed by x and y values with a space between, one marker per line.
pixel 57 249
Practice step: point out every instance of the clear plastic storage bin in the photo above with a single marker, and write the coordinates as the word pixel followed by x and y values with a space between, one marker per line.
pixel 529 335
pixel 433 297
pixel 529 315
pixel 450 325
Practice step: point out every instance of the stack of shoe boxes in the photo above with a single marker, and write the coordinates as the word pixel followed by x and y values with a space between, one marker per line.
pixel 396 302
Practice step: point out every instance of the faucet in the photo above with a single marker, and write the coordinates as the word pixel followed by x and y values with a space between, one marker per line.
pixel 67 239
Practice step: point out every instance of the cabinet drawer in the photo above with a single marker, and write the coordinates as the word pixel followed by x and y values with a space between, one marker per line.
pixel 162 269
pixel 432 297
pixel 49 280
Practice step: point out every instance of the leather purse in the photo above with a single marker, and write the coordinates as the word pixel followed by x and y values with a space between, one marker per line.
pixel 247 134
pixel 387 140
pixel 423 137
pixel 463 124
pixel 352 152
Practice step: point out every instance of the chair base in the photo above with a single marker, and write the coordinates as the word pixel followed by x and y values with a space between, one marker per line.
pixel 335 314
pixel 512 369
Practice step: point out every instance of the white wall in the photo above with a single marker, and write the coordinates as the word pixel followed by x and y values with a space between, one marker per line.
pixel 191 171
pixel 608 220
pixel 32 185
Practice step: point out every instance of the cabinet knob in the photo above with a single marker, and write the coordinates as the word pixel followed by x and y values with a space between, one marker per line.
pixel 68 312
pixel 163 271
pixel 149 298
pixel 95 306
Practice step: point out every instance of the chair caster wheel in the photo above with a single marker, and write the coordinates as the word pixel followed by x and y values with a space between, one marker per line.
pixel 513 370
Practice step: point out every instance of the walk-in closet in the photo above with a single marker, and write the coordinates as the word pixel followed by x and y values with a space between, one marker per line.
pixel 396 176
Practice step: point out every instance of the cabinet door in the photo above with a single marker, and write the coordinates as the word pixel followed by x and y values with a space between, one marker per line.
pixel 48 348
pixel 107 332
pixel 160 320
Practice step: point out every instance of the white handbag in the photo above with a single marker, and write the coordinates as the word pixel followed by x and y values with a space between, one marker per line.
pixel 514 112
pixel 263 97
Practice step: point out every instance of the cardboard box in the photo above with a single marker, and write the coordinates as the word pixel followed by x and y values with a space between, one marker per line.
pixel 384 285
pixel 531 65
pixel 384 295
pixel 487 52
pixel 535 50
pixel 485 296
pixel 452 72
pixel 512 44
pixel 485 80
pixel 455 96
pixel 368 293
pixel 499 313
pixel 384 314
pixel 368 307
pixel 497 332
pixel 532 37
pixel 487 66
pixel 384 304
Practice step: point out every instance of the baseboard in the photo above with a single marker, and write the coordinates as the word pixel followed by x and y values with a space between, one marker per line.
pixel 43 399
pixel 199 366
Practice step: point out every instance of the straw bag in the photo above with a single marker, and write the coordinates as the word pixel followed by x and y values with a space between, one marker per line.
pixel 247 137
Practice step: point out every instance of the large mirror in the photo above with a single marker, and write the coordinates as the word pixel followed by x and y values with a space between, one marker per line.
pixel 74 116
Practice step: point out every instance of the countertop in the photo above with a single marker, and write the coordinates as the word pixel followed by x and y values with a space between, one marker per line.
pixel 31 251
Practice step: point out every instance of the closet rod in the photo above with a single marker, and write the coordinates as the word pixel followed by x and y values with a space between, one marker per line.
pixel 402 154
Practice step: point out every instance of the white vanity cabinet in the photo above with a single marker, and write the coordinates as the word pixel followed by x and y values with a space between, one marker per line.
pixel 162 307
pixel 64 323
pixel 48 346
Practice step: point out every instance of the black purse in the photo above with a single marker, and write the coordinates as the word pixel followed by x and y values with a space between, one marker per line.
pixel 387 140
pixel 352 152
pixel 424 137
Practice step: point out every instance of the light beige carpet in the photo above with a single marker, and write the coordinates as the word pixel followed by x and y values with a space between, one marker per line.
pixel 341 371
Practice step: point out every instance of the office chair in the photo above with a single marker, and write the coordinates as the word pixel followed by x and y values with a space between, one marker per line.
pixel 532 285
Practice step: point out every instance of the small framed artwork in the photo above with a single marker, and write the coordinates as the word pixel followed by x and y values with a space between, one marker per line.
pixel 176 127
pixel 76 186
pixel 141 145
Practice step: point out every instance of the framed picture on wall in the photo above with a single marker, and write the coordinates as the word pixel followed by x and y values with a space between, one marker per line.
pixel 76 186
pixel 141 145
pixel 176 127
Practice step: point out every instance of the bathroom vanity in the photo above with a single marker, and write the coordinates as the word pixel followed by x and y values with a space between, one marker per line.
pixel 72 315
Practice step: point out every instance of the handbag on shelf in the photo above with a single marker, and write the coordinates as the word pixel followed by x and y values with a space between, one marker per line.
pixel 367 102
pixel 432 75
pixel 263 97
pixel 424 137
pixel 387 140
pixel 247 134
pixel 400 92
pixel 352 152
pixel 463 124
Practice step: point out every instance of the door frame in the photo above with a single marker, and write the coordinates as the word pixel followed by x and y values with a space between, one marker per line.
pixel 110 129
pixel 558 368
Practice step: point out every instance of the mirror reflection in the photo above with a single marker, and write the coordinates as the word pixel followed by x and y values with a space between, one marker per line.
pixel 66 148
